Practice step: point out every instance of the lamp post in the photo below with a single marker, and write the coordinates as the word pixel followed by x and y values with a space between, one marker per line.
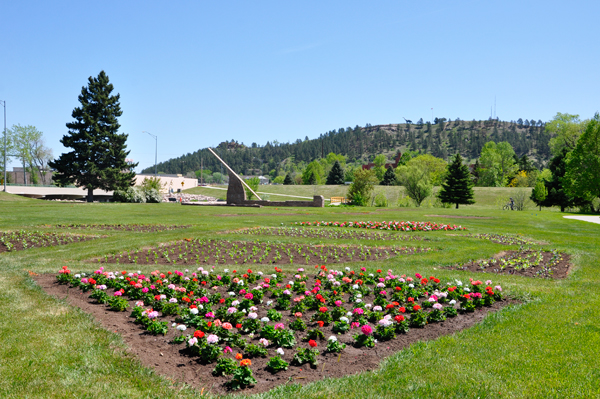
pixel 4 105
pixel 155 150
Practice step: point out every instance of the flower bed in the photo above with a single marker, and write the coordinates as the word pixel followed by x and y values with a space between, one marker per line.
pixel 503 239
pixel 146 228
pixel 326 233
pixel 524 262
pixel 391 225
pixel 223 252
pixel 19 240
pixel 243 325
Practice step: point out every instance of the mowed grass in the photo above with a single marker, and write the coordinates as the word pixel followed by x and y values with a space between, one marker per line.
pixel 545 347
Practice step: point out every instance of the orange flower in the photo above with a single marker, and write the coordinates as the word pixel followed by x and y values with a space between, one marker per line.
pixel 245 363
pixel 227 326
pixel 238 356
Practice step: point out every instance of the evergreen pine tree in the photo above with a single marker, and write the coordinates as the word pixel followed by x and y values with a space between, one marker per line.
pixel 458 187
pixel 389 178
pixel 288 180
pixel 336 174
pixel 312 180
pixel 98 156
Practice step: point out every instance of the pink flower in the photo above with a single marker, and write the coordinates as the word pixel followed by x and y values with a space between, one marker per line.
pixel 117 293
pixel 209 315
pixel 279 326
pixel 227 350
pixel 338 303
pixel 249 296
pixel 354 324
pixel 145 289
pixel 359 311
pixel 366 329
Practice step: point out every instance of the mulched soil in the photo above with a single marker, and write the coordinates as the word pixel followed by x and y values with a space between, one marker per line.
pixel 552 265
pixel 25 240
pixel 146 228
pixel 326 233
pixel 172 360
pixel 205 252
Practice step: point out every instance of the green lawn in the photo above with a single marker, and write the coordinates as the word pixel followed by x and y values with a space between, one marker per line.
pixel 547 347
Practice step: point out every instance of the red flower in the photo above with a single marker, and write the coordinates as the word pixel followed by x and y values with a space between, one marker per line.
pixel 198 334
pixel 319 296
pixel 235 271
pixel 410 299
pixel 238 356
pixel 157 297
pixel 222 300
pixel 312 343
pixel 249 271
pixel 320 323
pixel 186 299
pixel 399 318
pixel 209 323
pixel 244 275
pixel 169 273
pixel 288 286
pixel 424 281
pixel 193 307
pixel 123 272
pixel 92 281
pixel 398 289
pixel 389 306
pixel 416 308
pixel 238 326
pixel 431 278
pixel 402 309
pixel 204 283
pixel 378 270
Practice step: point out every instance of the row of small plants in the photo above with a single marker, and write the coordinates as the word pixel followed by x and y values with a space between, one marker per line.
pixel 327 234
pixel 504 239
pixel 124 227
pixel 21 239
pixel 542 261
pixel 391 225
pixel 224 252
pixel 228 318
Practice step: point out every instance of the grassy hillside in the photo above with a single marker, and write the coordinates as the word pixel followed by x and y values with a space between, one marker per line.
pixel 485 197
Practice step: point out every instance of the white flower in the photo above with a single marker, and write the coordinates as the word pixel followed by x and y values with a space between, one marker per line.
pixel 368 306
pixel 467 290
pixel 458 282
pixel 251 335
pixel 347 269
pixel 332 338
pixel 344 318
pixel 359 295
pixel 274 275
pixel 241 282
pixel 265 320
pixel 411 285
pixel 290 282
pixel 212 339
pixel 174 325
pixel 192 341
pixel 385 322
pixel 181 327
pixel 173 300
pixel 78 276
pixel 252 315
pixel 235 303
pixel 260 273
pixel 280 351
pixel 226 271
pixel 349 314
pixel 269 303
pixel 371 275
pixel 452 302
pixel 121 277
pixel 355 287
pixel 194 311
pixel 243 310
pixel 377 308
pixel 253 309
pixel 358 300
pixel 231 293
pixel 200 306
pixel 437 306
pixel 264 342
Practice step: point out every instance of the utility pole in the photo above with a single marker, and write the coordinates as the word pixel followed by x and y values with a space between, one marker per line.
pixel 4 104
pixel 155 151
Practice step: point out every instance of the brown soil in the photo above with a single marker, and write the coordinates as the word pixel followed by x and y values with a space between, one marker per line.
pixel 552 265
pixel 459 217
pixel 27 240
pixel 146 228
pixel 171 360
pixel 223 252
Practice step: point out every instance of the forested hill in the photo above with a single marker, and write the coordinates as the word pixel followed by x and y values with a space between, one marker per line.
pixel 361 144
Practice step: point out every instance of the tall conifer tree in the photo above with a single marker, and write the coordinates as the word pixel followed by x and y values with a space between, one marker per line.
pixel 389 179
pixel 336 174
pixel 98 156
pixel 458 187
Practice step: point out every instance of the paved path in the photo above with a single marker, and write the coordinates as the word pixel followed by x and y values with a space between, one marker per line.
pixel 59 192
pixel 592 219
pixel 260 192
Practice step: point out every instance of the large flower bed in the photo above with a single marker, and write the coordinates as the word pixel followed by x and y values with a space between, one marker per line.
pixel 224 252
pixel 241 322
pixel 391 225
pixel 146 228
pixel 19 240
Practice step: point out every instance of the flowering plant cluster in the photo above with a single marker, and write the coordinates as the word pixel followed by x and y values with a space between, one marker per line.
pixel 279 315
pixel 391 225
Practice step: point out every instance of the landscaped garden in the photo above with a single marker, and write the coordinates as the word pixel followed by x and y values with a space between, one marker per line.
pixel 470 326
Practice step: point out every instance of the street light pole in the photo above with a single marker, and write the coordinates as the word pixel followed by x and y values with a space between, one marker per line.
pixel 4 104
pixel 155 151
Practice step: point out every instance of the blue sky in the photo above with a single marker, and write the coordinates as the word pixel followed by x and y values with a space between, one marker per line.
pixel 196 73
